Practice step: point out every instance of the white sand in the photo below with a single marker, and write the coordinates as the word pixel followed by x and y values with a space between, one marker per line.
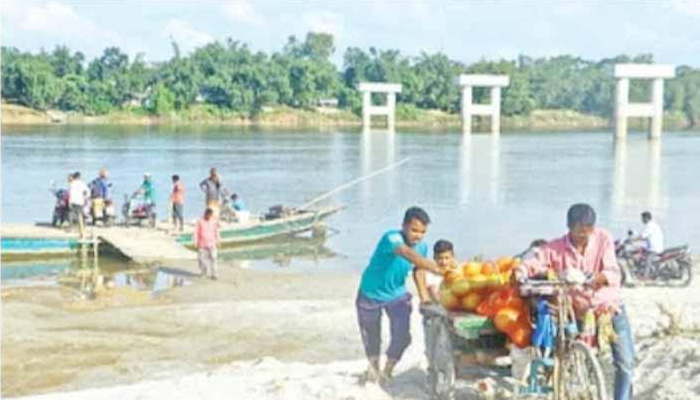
pixel 668 368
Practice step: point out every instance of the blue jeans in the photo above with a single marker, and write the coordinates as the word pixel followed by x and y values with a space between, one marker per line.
pixel 623 356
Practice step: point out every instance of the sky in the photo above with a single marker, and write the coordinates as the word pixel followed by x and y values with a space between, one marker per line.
pixel 467 31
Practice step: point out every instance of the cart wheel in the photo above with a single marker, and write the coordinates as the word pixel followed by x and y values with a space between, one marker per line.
pixel 579 376
pixel 441 360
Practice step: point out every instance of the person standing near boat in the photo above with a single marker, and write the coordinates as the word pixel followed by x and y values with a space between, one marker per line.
pixel 211 187
pixel 148 191
pixel 78 193
pixel 177 201
pixel 99 187
pixel 206 238
pixel 99 193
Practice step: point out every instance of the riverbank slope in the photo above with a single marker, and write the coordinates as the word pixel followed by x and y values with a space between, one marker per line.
pixel 407 117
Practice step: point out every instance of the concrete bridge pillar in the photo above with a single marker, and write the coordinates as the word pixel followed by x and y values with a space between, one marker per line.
pixel 469 109
pixel 388 110
pixel 654 109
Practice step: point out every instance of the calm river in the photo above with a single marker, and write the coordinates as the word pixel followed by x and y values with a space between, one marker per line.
pixel 490 196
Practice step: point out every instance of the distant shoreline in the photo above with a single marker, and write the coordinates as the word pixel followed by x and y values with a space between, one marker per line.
pixel 284 117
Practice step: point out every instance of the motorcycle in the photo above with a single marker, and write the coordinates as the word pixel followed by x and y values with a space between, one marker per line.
pixel 61 209
pixel 672 266
pixel 136 210
pixel 102 210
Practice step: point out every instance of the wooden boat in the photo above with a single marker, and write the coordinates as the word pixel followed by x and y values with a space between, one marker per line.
pixel 41 241
pixel 22 270
pixel 258 229
pixel 23 241
pixel 48 246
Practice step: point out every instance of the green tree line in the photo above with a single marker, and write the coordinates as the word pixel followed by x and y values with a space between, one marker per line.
pixel 231 77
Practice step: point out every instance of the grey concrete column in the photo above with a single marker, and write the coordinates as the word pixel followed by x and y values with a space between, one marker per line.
pixel 657 101
pixel 366 105
pixel 391 116
pixel 466 106
pixel 468 82
pixel 622 90
pixel 653 109
pixel 496 107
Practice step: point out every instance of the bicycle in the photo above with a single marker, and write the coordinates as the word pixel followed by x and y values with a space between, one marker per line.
pixel 571 371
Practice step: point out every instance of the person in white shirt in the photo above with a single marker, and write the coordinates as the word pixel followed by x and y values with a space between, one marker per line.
pixel 428 283
pixel 78 193
pixel 652 234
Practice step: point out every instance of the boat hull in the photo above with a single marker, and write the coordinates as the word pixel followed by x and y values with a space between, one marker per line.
pixel 19 247
pixel 252 232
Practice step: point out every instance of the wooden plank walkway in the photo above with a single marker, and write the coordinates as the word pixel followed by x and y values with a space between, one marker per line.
pixel 144 245
pixel 36 231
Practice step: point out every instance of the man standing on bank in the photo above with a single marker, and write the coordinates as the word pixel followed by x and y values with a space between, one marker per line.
pixel 383 288
pixel 211 187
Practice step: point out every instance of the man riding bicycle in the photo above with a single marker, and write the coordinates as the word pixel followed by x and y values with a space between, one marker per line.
pixel 591 250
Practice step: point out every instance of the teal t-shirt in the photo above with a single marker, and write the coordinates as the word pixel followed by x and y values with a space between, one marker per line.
pixel 149 192
pixel 384 278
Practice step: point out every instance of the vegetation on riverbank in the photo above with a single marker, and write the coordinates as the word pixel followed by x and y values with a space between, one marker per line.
pixel 407 117
pixel 227 82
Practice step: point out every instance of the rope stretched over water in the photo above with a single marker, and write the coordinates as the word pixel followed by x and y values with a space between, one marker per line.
pixel 354 182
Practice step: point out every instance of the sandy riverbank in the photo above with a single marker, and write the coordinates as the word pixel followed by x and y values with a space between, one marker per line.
pixel 262 335
pixel 285 117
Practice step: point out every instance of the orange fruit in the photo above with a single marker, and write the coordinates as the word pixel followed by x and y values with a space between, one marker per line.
pixel 472 268
pixel 486 307
pixel 471 301
pixel 505 264
pixel 461 287
pixel 506 318
pixel 521 335
pixel 448 299
pixel 452 275
pixel 488 268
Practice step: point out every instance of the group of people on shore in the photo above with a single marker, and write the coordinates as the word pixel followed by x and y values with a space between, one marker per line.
pixel 82 198
pixel 584 247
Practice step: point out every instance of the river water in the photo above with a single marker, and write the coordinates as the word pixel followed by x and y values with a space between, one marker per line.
pixel 489 195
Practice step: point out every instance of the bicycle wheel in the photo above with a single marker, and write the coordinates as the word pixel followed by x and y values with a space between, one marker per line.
pixel 442 373
pixel 580 376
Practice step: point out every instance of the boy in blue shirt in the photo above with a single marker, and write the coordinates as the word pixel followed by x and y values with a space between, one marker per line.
pixel 383 287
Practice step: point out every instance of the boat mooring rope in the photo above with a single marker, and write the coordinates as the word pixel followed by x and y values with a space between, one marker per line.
pixel 354 182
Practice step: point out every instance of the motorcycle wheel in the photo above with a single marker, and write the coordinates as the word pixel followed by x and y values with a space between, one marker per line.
pixel 685 267
pixel 625 272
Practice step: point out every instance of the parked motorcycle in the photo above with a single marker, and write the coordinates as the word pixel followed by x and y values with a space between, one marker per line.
pixel 673 266
pixel 61 209
pixel 102 210
pixel 135 210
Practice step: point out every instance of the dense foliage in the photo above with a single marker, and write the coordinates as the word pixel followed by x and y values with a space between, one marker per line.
pixel 232 77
